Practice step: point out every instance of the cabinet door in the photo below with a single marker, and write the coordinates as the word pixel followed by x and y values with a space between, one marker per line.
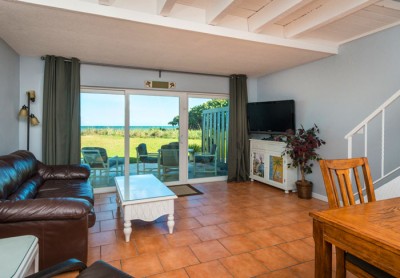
pixel 257 163
pixel 276 168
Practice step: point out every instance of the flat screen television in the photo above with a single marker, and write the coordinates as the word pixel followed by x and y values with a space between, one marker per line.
pixel 273 117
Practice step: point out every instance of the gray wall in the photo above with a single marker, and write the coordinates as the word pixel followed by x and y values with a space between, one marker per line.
pixel 31 74
pixel 103 76
pixel 9 98
pixel 338 92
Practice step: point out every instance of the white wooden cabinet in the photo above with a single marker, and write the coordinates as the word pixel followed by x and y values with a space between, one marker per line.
pixel 267 165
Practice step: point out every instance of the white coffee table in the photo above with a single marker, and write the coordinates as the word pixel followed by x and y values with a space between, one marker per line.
pixel 19 256
pixel 146 198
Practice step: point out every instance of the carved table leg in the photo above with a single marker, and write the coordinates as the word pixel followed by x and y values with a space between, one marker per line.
pixel 171 223
pixel 127 230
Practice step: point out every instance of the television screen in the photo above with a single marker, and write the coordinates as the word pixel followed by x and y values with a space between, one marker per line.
pixel 271 116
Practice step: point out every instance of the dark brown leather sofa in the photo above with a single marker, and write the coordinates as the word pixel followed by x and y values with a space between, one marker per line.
pixel 53 203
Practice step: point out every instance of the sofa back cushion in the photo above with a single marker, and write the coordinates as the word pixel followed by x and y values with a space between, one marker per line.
pixel 15 169
pixel 8 178
pixel 28 189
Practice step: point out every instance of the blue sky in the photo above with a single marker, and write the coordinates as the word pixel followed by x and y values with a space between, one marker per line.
pixel 108 110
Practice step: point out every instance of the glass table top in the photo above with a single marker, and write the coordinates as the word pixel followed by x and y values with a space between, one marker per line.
pixel 140 187
pixel 13 252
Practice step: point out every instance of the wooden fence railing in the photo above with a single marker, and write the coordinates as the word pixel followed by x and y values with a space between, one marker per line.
pixel 215 131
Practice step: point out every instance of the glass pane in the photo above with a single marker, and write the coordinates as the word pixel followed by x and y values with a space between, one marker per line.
pixel 154 136
pixel 208 137
pixel 102 136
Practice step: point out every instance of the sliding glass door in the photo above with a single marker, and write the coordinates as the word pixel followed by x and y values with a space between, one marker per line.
pixel 176 136
pixel 102 135
pixel 154 136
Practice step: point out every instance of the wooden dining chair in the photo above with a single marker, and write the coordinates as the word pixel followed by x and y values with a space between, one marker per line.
pixel 341 182
pixel 345 181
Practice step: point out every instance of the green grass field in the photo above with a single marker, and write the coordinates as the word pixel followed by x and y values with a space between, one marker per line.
pixel 115 144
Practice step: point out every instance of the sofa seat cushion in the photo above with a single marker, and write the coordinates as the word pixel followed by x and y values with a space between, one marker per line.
pixel 66 188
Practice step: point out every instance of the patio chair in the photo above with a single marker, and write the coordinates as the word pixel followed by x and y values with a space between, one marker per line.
pixel 337 175
pixel 100 164
pixel 142 156
pixel 168 159
pixel 207 162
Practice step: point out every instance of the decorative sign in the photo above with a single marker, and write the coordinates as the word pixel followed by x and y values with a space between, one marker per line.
pixel 160 84
pixel 276 168
pixel 258 164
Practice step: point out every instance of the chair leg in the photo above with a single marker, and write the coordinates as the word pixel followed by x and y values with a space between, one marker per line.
pixel 93 176
pixel 107 176
pixel 118 169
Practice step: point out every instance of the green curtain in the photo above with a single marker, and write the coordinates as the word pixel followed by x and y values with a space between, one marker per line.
pixel 61 111
pixel 238 153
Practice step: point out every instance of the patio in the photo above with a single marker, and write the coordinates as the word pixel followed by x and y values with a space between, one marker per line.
pixel 152 168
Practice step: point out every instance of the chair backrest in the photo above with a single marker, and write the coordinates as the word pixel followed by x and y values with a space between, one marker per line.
pixel 96 157
pixel 142 149
pixel 102 152
pixel 213 149
pixel 169 155
pixel 174 145
pixel 342 181
pixel 141 152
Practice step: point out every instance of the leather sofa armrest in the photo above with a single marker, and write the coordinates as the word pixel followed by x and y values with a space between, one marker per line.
pixel 43 209
pixel 63 172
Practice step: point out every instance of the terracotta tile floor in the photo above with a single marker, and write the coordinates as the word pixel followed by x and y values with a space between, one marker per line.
pixel 232 230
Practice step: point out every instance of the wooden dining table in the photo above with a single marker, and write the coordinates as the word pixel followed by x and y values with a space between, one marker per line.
pixel 368 231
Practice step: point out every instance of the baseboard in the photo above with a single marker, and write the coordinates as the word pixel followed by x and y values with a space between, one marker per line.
pixel 320 197
pixel 110 189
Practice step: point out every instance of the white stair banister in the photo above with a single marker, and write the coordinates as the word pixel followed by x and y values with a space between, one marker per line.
pixel 364 126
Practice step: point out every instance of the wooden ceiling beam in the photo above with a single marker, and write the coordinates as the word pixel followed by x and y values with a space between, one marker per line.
pixel 164 7
pixel 325 14
pixel 107 2
pixel 217 10
pixel 389 4
pixel 271 12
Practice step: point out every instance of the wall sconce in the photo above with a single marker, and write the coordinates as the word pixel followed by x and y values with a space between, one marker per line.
pixel 24 113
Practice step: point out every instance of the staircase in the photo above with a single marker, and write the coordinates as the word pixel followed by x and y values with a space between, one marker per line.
pixel 375 138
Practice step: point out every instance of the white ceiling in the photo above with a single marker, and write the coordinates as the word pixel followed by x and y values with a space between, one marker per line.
pixel 253 37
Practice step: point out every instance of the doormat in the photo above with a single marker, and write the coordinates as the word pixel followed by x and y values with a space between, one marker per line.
pixel 184 190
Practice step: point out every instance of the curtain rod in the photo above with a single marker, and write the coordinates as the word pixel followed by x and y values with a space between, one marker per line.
pixel 140 68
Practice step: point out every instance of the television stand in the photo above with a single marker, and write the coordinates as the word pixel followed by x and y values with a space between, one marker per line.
pixel 267 165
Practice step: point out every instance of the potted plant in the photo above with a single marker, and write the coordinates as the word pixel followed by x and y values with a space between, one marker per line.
pixel 301 147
